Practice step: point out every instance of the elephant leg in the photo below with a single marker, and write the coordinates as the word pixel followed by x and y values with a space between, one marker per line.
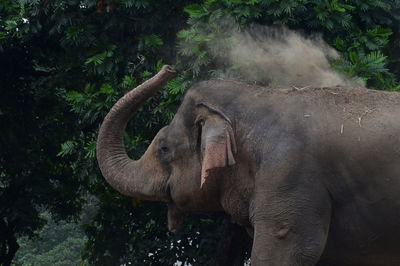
pixel 290 231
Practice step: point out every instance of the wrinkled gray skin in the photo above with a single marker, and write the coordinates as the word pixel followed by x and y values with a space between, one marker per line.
pixel 313 173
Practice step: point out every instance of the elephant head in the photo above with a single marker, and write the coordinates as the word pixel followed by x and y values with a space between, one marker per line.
pixel 178 160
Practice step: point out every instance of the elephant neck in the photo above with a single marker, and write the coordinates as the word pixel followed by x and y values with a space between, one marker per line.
pixel 235 196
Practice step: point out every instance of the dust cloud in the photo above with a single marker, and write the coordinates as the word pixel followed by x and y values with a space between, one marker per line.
pixel 279 56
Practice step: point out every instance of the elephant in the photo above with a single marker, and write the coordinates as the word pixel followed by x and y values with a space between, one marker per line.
pixel 313 174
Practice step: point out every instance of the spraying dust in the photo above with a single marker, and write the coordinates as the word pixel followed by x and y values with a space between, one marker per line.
pixel 278 56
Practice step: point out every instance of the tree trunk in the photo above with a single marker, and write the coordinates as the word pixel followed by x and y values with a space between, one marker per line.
pixel 9 244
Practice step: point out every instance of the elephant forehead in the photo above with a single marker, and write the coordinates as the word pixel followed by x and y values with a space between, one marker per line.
pixel 162 135
pixel 163 132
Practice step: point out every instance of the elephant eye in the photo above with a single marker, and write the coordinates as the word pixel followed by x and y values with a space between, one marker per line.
pixel 164 152
pixel 162 147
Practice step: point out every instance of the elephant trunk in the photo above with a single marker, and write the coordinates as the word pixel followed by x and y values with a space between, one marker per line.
pixel 139 179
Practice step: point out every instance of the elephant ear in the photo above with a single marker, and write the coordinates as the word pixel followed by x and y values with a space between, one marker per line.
pixel 217 145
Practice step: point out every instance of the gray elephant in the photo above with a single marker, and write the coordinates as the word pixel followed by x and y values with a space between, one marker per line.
pixel 312 173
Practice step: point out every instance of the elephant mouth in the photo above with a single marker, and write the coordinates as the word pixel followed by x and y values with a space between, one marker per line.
pixel 168 191
pixel 174 215
pixel 174 218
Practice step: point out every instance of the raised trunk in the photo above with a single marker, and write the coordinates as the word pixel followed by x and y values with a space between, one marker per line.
pixel 140 179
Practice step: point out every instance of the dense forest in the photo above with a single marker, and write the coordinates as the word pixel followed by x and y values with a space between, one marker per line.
pixel 65 63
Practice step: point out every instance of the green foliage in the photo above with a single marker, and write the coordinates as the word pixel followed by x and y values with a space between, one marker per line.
pixel 365 33
pixel 62 56
pixel 67 148
pixel 153 40
pixel 365 66
pixel 34 121
pixel 94 73
pixel 56 244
